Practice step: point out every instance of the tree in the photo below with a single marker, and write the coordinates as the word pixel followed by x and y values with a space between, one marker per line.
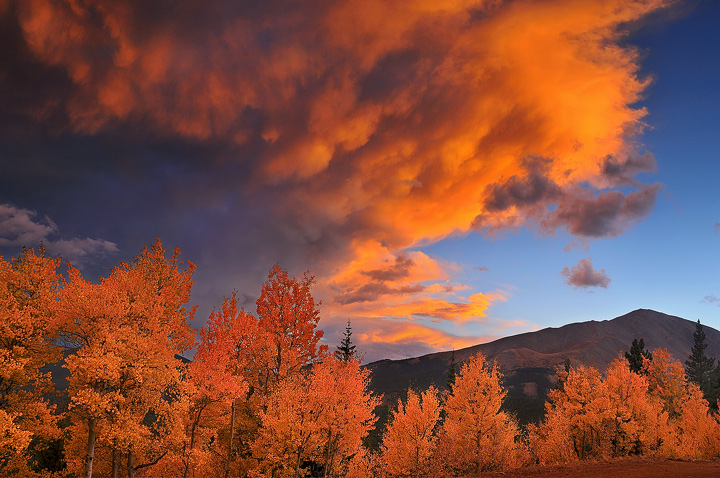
pixel 634 419
pixel 124 375
pixel 584 404
pixel 666 381
pixel 637 355
pixel 288 313
pixel 348 412
pixel 698 431
pixel 320 416
pixel 409 440
pixel 451 374
pixel 477 435
pixel 573 417
pixel 13 441
pixel 29 324
pixel 290 427
pixel 713 396
pixel 699 367
pixel 346 350
pixel 217 375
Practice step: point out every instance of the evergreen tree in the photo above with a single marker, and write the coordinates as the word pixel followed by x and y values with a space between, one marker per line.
pixel 699 367
pixel 714 389
pixel 562 374
pixel 346 350
pixel 636 355
pixel 451 372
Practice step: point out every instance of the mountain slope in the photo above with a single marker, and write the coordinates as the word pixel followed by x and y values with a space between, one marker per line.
pixel 529 360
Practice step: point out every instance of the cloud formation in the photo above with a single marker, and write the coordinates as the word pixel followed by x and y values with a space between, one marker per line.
pixel 339 135
pixel 584 275
pixel 20 227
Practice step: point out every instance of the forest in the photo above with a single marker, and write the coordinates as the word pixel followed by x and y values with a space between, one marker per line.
pixel 265 397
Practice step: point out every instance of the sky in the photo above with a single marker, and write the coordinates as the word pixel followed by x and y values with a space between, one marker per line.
pixel 451 172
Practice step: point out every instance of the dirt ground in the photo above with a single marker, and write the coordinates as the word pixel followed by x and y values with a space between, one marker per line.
pixel 621 468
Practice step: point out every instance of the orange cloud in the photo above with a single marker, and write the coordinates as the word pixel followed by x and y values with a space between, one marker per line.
pixel 402 339
pixel 373 127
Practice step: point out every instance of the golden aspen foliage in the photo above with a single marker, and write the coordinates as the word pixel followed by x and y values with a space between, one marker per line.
pixel 290 433
pixel 127 330
pixel 635 419
pixel 217 376
pixel 321 416
pixel 29 327
pixel 476 434
pixel 574 416
pixel 666 381
pixel 288 312
pixel 410 439
pixel 364 464
pixel 346 416
pixel 697 430
pixel 13 440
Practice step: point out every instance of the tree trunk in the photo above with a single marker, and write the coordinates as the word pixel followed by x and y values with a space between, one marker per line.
pixel 90 454
pixel 329 462
pixel 193 428
pixel 115 463
pixel 297 464
pixel 130 465
pixel 232 435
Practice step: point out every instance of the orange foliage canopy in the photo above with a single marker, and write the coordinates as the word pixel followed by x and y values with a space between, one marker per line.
pixel 635 421
pixel 478 436
pixel 655 412
pixel 288 313
pixel 127 331
pixel 666 381
pixel 28 340
pixel 321 416
pixel 409 441
pixel 573 420
pixel 217 377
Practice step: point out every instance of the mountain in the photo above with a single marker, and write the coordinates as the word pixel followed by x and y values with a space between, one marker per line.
pixel 529 360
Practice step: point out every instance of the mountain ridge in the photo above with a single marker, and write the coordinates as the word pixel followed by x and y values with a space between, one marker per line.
pixel 529 360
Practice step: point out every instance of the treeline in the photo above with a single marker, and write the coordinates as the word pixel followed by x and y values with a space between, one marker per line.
pixel 264 398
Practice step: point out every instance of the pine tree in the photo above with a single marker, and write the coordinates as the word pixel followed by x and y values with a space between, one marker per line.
pixel 346 350
pixel 636 355
pixel 714 388
pixel 451 372
pixel 699 367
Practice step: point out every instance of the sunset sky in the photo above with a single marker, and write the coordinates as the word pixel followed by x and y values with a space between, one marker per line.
pixel 450 171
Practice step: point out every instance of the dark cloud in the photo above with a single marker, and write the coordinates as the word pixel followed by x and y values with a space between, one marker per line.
pixel 373 291
pixel 584 214
pixel 584 275
pixel 605 215
pixel 623 169
pixel 521 192
pixel 711 299
pixel 399 270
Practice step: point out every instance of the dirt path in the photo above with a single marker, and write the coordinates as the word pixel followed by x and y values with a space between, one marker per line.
pixel 630 467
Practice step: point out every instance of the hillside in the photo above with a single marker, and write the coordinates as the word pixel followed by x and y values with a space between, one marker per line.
pixel 529 360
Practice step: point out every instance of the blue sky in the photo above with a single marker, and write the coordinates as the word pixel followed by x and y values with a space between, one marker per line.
pixel 436 168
